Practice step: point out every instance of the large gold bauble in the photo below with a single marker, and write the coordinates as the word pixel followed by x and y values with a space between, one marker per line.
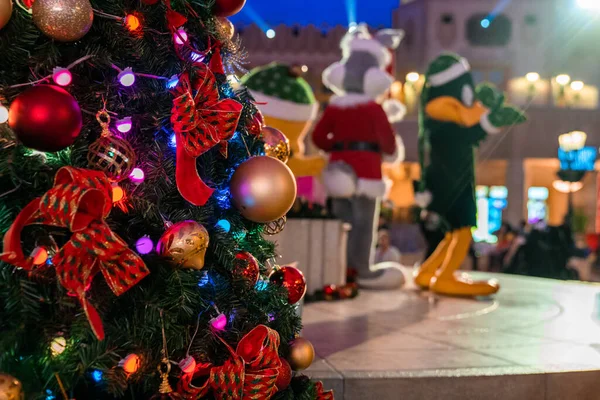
pixel 302 354
pixel 184 245
pixel 277 144
pixel 63 20
pixel 5 12
pixel 10 388
pixel 263 189
pixel 226 27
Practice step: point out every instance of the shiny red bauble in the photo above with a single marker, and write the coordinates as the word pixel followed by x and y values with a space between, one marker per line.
pixel 227 8
pixel 293 280
pixel 284 375
pixel 45 118
pixel 256 124
pixel 246 270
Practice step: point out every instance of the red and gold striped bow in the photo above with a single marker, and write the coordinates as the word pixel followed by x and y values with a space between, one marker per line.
pixel 80 200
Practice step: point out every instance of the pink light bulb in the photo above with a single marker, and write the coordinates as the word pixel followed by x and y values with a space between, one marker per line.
pixel 144 245
pixel 61 76
pixel 127 77
pixel 180 36
pixel 137 176
pixel 219 323
pixel 124 125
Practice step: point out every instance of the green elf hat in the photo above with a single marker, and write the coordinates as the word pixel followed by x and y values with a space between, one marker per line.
pixel 447 68
pixel 282 93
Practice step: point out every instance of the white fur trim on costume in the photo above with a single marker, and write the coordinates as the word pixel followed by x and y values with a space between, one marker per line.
pixel 448 75
pixel 377 82
pixel 423 199
pixel 350 100
pixel 339 181
pixel 399 155
pixel 487 125
pixel 333 77
pixel 371 188
pixel 283 109
pixel 373 47
pixel 394 110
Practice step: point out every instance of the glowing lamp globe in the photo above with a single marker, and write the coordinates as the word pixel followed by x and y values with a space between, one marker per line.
pixel 180 36
pixel 412 77
pixel 3 114
pixel 563 79
pixel 219 323
pixel 144 245
pixel 62 76
pixel 577 85
pixel 532 77
pixel 124 124
pixel 130 364
pixel 127 77
pixel 58 345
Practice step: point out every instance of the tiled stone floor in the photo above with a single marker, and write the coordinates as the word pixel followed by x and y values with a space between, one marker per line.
pixel 536 340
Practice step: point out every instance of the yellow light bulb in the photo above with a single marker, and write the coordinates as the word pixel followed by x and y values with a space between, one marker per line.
pixel 58 345
pixel 117 194
pixel 130 364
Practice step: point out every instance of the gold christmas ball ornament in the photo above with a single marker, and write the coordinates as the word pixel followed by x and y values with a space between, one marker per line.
pixel 10 388
pixel 5 12
pixel 226 27
pixel 63 20
pixel 263 189
pixel 277 144
pixel 184 245
pixel 113 156
pixel 302 354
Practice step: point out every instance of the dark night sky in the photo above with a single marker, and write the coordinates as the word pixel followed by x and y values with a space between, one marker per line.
pixel 318 12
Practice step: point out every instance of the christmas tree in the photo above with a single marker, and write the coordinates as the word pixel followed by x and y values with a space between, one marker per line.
pixel 134 200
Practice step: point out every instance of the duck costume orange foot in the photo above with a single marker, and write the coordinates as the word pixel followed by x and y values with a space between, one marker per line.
pixel 454 118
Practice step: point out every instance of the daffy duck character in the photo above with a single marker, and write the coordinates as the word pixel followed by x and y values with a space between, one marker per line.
pixel 454 118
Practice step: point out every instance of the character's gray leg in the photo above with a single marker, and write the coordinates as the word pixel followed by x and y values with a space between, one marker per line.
pixel 363 236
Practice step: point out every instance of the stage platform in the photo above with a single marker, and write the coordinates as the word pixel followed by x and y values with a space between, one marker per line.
pixel 537 339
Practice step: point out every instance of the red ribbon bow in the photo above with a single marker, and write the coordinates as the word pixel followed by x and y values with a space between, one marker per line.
pixel 200 121
pixel 80 200
pixel 250 373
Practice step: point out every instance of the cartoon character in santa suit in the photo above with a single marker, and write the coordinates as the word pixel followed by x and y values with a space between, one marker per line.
pixel 355 130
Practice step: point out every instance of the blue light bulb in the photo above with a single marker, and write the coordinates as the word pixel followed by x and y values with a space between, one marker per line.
pixel 224 225
pixel 97 375
pixel 485 23
pixel 173 141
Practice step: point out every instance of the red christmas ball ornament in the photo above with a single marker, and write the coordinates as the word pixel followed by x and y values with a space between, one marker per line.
pixel 227 8
pixel 246 269
pixel 284 376
pixel 45 118
pixel 256 124
pixel 293 280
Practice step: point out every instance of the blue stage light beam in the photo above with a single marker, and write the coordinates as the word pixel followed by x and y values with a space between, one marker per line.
pixel 258 20
pixel 351 11
pixel 502 4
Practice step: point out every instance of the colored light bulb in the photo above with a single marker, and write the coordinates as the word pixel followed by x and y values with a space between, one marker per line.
pixel 196 57
pixel 130 364
pixel 172 82
pixel 188 365
pixel 137 176
pixel 224 225
pixel 127 77
pixel 144 245
pixel 97 375
pixel 173 141
pixel 180 36
pixel 124 124
pixel 58 345
pixel 219 323
pixel 61 76
pixel 132 22
pixel 270 33
pixel 117 193
pixel 3 114
pixel 39 255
